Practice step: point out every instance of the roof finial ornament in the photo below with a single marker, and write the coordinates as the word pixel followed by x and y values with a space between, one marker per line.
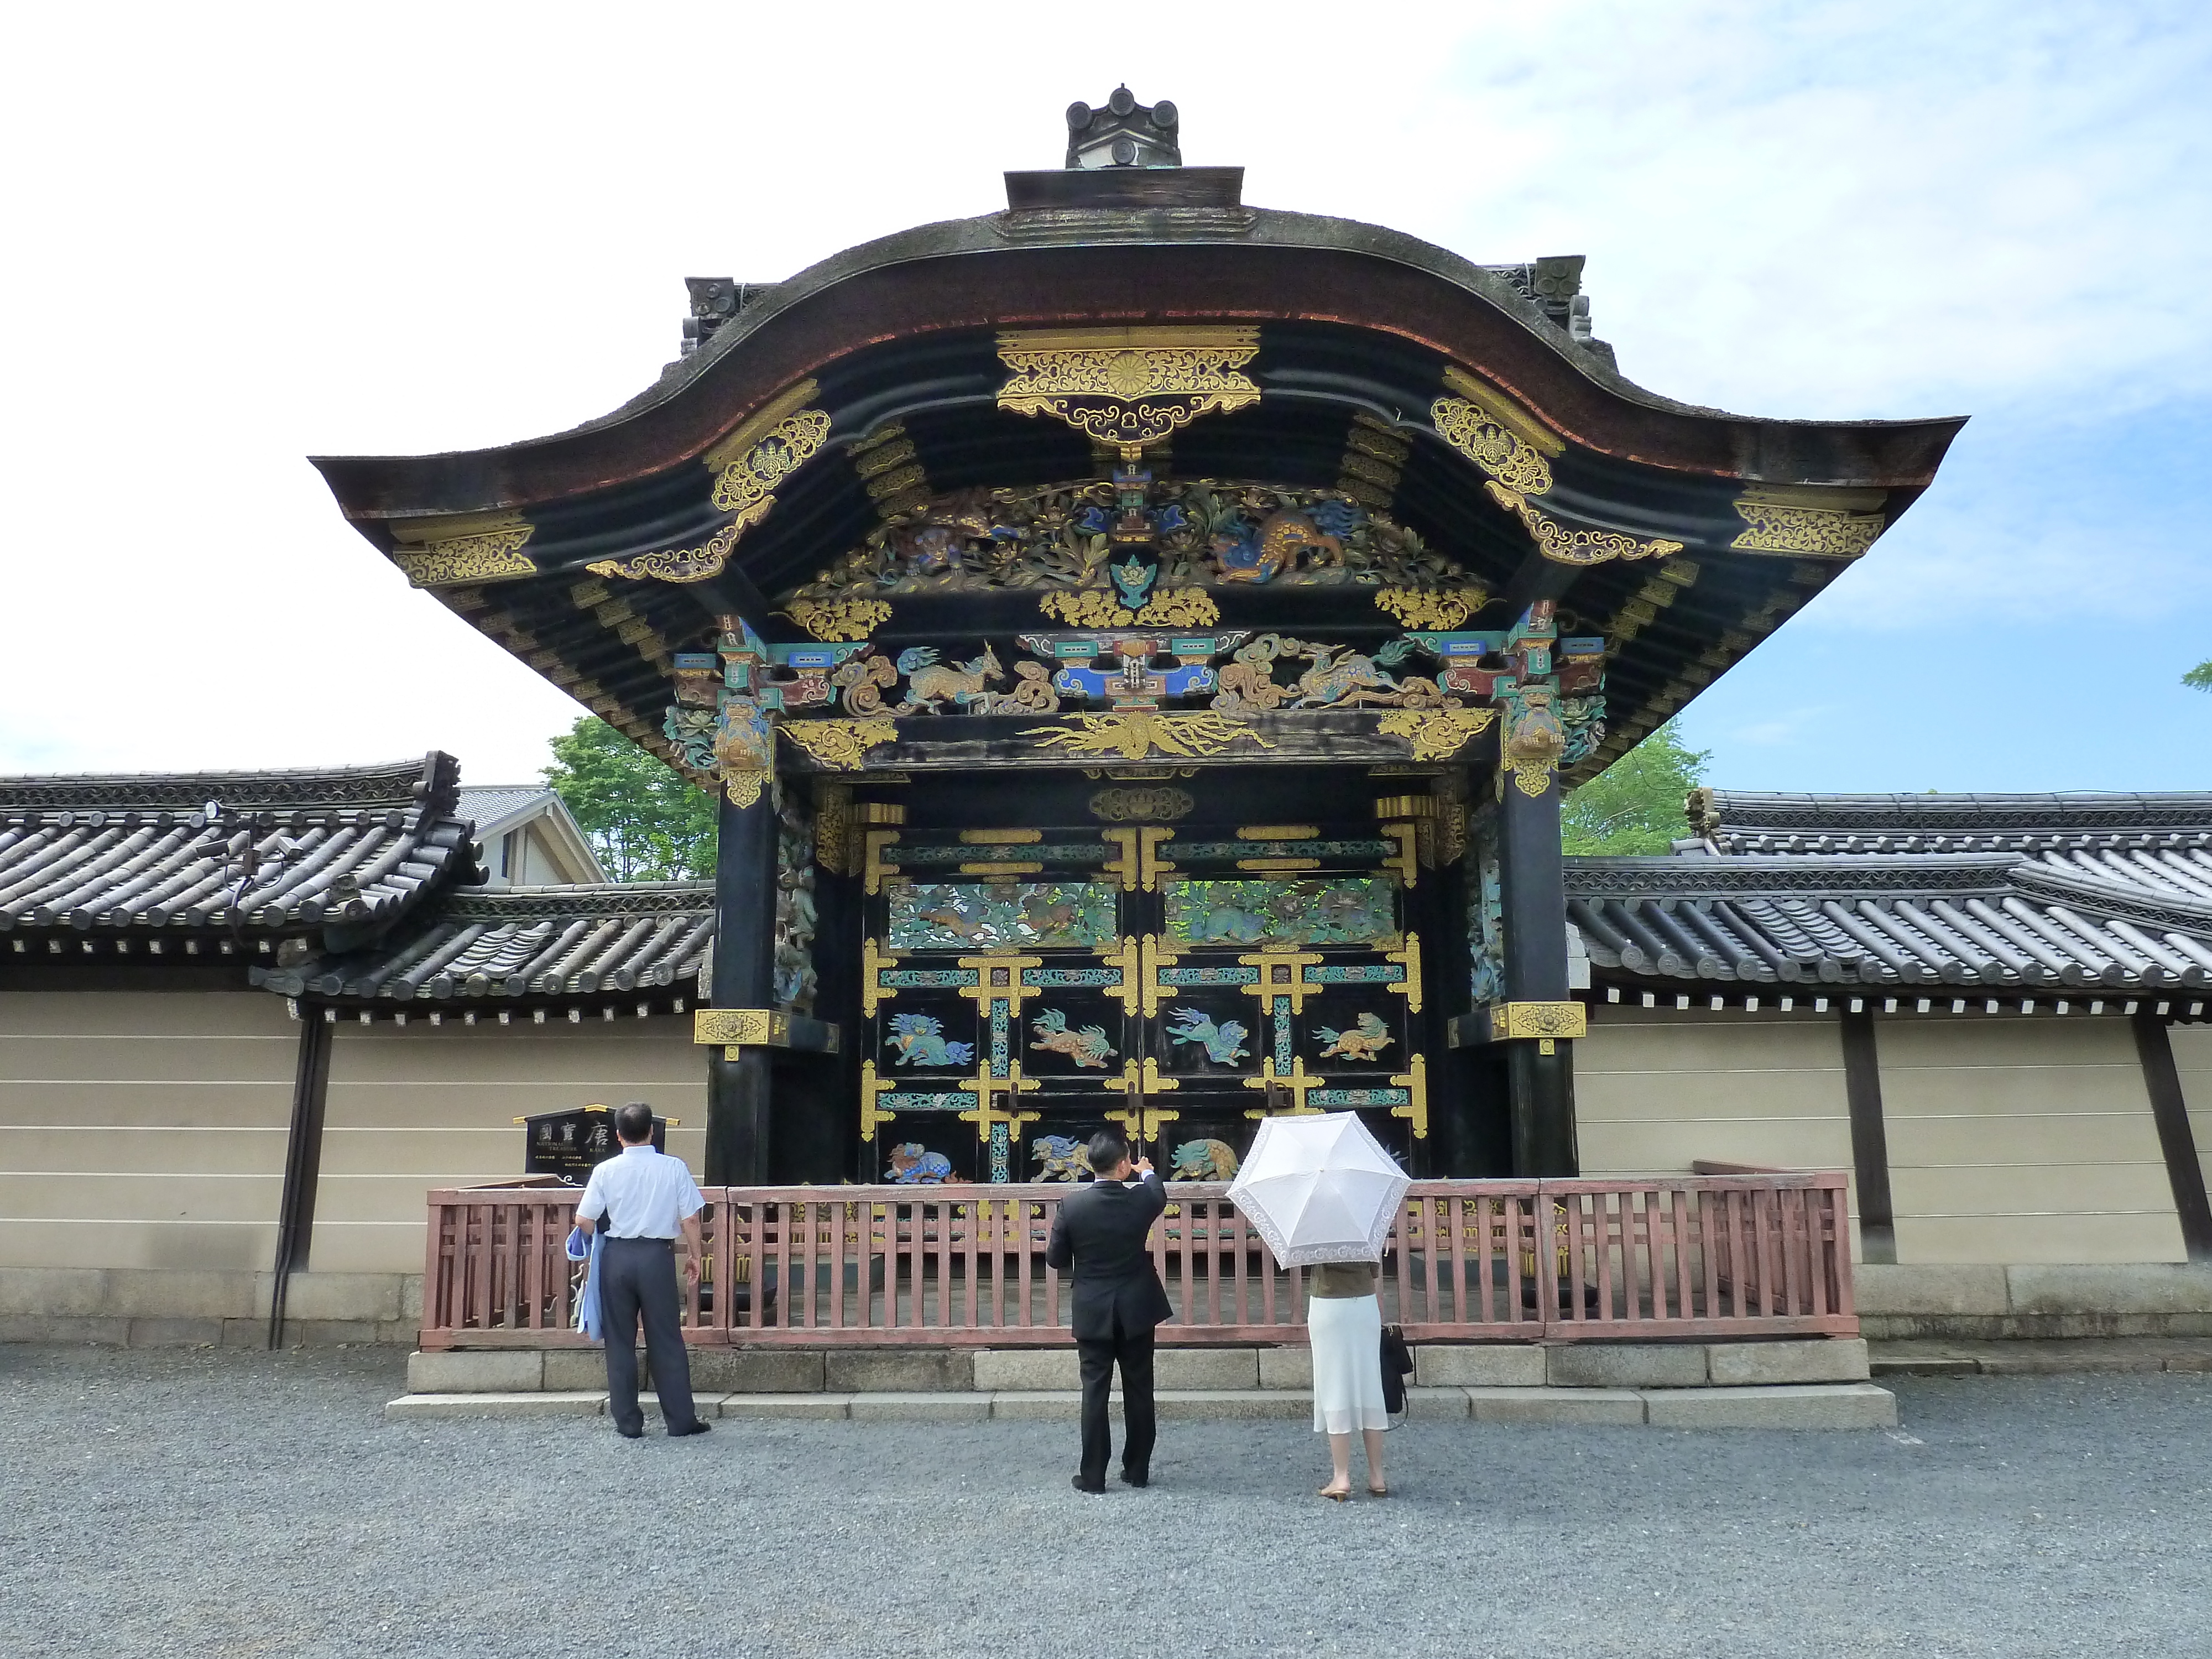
pixel 1124 134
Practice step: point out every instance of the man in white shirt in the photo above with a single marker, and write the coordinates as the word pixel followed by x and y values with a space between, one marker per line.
pixel 647 1200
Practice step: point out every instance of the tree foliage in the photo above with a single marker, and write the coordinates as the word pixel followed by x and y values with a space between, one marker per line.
pixel 645 821
pixel 1635 805
pixel 2200 676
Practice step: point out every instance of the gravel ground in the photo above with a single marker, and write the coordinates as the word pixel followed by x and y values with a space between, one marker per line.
pixel 213 1504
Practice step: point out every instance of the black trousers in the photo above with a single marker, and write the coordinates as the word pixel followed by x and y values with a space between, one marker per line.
pixel 637 1280
pixel 1134 1354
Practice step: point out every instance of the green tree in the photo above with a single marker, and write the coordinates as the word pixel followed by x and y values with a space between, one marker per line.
pixel 2200 676
pixel 645 821
pixel 1635 805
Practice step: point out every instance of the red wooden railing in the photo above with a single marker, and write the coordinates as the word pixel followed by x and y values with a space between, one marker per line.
pixel 1668 1257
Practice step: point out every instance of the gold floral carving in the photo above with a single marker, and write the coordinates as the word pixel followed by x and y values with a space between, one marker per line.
pixel 1141 805
pixel 1440 609
pixel 751 479
pixel 684 564
pixel 744 752
pixel 488 555
pixel 839 619
pixel 1135 733
pixel 1511 1020
pixel 843 745
pixel 1776 526
pixel 1478 433
pixel 1177 607
pixel 1437 733
pixel 1566 546
pixel 1129 386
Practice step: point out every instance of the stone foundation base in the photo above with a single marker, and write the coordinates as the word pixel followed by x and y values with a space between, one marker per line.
pixel 1821 1405
pixel 158 1307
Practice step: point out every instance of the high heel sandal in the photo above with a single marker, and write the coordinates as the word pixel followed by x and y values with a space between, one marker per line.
pixel 1336 1497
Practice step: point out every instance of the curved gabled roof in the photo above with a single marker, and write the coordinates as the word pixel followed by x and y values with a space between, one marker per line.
pixel 1683 535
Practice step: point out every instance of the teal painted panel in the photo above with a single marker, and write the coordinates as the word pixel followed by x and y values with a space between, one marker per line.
pixel 987 915
pixel 1322 910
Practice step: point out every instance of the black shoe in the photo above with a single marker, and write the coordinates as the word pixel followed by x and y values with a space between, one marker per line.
pixel 631 1434
pixel 1138 1478
pixel 699 1426
pixel 1081 1485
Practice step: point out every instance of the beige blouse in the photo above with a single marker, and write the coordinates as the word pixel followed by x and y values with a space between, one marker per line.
pixel 1336 1280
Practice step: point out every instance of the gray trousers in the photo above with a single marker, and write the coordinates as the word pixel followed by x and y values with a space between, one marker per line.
pixel 637 1280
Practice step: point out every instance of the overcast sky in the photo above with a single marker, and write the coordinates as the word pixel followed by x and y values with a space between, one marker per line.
pixel 240 236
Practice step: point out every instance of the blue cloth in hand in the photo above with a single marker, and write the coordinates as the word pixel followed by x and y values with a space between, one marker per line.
pixel 590 1321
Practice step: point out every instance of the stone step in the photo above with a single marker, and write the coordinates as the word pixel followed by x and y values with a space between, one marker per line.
pixel 1785 1406
pixel 2040 1358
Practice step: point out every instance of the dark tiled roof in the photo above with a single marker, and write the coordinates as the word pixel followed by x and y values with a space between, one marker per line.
pixel 351 850
pixel 543 943
pixel 1759 822
pixel 2128 909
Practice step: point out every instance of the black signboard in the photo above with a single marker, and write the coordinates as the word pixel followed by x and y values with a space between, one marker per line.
pixel 574 1142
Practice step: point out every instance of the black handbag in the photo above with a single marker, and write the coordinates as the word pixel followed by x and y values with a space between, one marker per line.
pixel 1397 1366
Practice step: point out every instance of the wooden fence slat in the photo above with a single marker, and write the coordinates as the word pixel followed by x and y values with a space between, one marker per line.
pixel 1739 1255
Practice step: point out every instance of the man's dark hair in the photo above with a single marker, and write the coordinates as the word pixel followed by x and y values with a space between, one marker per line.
pixel 1106 1151
pixel 634 1123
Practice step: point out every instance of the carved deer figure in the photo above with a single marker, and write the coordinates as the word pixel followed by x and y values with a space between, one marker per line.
pixel 931 682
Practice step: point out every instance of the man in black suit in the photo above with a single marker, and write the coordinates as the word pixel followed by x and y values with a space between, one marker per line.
pixel 1100 1234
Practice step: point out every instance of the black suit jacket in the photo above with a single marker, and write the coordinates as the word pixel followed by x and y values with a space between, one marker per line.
pixel 1100 1233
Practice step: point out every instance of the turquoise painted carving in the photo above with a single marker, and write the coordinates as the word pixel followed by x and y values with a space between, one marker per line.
pixel 1204 1160
pixel 925 979
pixel 1223 1044
pixel 1086 1046
pixel 1486 924
pixel 920 1041
pixel 956 1100
pixel 1354 973
pixel 986 915
pixel 1358 1096
pixel 1056 978
pixel 1326 910
pixel 1001 1018
pixel 913 1164
pixel 1002 1154
pixel 1209 976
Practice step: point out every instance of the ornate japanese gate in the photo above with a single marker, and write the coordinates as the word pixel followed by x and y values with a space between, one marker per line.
pixel 1023 985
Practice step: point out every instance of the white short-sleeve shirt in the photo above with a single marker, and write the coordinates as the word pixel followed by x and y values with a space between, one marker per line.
pixel 642 1193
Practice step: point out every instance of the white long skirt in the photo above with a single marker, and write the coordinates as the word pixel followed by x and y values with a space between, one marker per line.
pixel 1346 1332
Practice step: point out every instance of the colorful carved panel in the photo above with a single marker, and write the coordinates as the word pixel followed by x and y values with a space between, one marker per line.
pixel 1326 910
pixel 1199 532
pixel 990 915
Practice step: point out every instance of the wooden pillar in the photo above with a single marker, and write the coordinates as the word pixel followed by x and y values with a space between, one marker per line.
pixel 1870 1138
pixel 2170 1111
pixel 303 1164
pixel 738 1090
pixel 1532 891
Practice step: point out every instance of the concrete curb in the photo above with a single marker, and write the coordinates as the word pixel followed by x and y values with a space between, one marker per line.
pixel 1789 1406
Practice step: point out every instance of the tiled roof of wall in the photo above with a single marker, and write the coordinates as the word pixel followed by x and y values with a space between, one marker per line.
pixel 351 849
pixel 2010 892
pixel 560 943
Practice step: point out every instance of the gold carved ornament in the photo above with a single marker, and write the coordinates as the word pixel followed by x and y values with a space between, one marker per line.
pixel 1435 733
pixel 1129 387
pixel 744 753
pixel 841 745
pixel 1478 433
pixel 1139 864
pixel 1141 805
pixel 1563 545
pixel 1802 522
pixel 679 564
pixel 1546 1022
pixel 1438 610
pixel 1137 1083
pixel 733 1029
pixel 1135 733
pixel 490 552
pixel 1415 1083
pixel 838 619
pixel 1176 607
pixel 748 464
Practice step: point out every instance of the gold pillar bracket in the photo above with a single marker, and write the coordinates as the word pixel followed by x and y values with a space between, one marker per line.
pixel 1416 1084
pixel 1282 974
pixel 1408 956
